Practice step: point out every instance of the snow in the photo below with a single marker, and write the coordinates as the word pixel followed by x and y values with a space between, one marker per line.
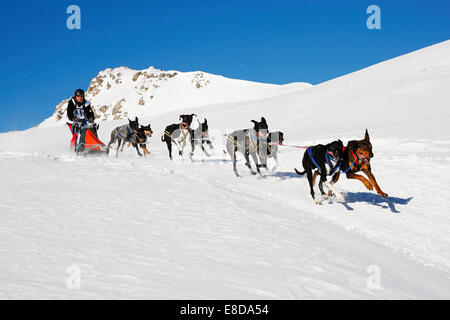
pixel 151 228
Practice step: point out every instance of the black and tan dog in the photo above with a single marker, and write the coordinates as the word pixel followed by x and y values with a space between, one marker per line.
pixel 180 134
pixel 357 158
pixel 326 160
pixel 270 149
pixel 200 136
pixel 146 132
pixel 141 138
pixel 247 142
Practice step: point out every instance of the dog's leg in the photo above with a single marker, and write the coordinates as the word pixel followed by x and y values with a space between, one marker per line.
pixel 110 143
pixel 277 164
pixel 255 160
pixel 263 163
pixel 232 148
pixel 332 189
pixel 316 173
pixel 247 163
pixel 323 179
pixel 137 149
pixel 144 148
pixel 118 146
pixel 233 158
pixel 204 150
pixel 331 184
pixel 311 186
pixel 191 139
pixel 368 172
pixel 169 147
pixel 180 147
pixel 367 184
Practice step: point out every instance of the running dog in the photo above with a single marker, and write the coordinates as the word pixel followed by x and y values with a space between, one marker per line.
pixel 200 136
pixel 141 138
pixel 179 134
pixel 270 149
pixel 146 132
pixel 247 142
pixel 327 160
pixel 357 158
pixel 126 133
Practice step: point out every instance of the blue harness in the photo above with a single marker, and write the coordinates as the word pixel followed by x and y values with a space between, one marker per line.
pixel 349 167
pixel 327 156
pixel 128 131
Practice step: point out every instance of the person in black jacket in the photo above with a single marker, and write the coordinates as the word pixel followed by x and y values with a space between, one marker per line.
pixel 79 108
pixel 79 111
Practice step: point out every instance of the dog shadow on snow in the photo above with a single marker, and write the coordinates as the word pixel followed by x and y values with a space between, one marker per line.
pixel 374 199
pixel 283 175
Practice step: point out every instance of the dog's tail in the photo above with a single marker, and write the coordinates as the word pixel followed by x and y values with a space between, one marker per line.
pixel 300 173
pixel 163 138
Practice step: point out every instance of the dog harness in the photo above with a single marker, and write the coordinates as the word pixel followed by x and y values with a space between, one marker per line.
pixel 183 127
pixel 332 169
pixel 128 131
pixel 255 143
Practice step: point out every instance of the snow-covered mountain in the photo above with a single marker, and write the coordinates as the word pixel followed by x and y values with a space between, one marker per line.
pixel 122 92
pixel 155 228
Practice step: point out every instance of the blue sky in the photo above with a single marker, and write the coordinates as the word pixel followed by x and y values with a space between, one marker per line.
pixel 43 62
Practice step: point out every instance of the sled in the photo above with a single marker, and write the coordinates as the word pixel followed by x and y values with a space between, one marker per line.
pixel 87 142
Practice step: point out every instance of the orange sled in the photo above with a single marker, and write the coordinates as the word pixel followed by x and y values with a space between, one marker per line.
pixel 88 140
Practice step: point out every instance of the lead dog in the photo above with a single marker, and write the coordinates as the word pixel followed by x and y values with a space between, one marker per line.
pixel 326 159
pixel 357 158
pixel 179 134
pixel 247 142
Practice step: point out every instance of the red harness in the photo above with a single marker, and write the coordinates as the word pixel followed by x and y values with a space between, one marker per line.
pixel 357 162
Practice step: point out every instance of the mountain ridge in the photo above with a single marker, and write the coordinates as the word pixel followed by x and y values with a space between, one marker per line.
pixel 117 93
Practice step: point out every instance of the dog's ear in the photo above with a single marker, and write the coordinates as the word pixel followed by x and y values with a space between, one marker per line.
pixel 193 115
pixel 263 120
pixel 136 119
pixel 206 121
pixel 339 140
pixel 366 136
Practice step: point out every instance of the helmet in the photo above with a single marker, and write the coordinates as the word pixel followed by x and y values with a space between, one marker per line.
pixel 79 92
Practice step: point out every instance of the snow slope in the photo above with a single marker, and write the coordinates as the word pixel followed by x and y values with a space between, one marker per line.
pixel 151 228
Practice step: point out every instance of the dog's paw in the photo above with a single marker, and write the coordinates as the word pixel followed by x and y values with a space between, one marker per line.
pixel 253 172
pixel 324 196
pixel 383 195
pixel 369 186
